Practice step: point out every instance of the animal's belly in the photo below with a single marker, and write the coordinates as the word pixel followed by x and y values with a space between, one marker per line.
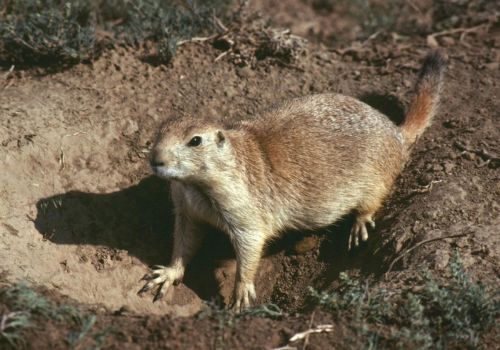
pixel 325 209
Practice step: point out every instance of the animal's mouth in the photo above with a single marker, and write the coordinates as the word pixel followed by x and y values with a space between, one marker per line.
pixel 166 172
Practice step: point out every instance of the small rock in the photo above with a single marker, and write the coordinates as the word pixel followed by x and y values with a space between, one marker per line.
pixel 230 92
pixel 425 179
pixel 245 72
pixel 432 42
pixel 437 167
pixel 123 310
pixel 130 127
pixel 431 214
pixel 451 124
pixel 448 167
pixel 469 156
pixel 434 234
pixel 492 65
pixel 441 260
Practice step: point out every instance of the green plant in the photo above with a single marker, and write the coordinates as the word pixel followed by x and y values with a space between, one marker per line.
pixel 54 31
pixel 29 308
pixel 440 316
pixel 22 297
pixel 76 336
pixel 227 319
pixel 374 16
pixel 415 325
pixel 365 302
pixel 460 311
pixel 162 22
pixel 44 32
pixel 264 310
pixel 11 326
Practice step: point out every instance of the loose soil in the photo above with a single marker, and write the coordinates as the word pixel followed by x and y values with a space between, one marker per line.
pixel 82 217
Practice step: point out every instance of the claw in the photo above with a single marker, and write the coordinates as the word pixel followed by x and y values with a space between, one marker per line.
pixel 146 288
pixel 243 294
pixel 237 307
pixel 364 233
pixel 162 276
pixel 371 223
pixel 359 231
pixel 146 277
pixel 159 295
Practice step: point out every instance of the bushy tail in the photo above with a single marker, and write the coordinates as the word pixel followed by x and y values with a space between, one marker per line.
pixel 426 99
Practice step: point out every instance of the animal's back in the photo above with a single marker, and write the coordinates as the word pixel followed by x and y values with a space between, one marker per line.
pixel 326 154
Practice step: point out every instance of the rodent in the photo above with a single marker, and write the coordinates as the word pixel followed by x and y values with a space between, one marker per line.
pixel 302 164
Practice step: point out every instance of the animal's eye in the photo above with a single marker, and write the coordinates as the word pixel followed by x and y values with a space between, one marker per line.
pixel 195 141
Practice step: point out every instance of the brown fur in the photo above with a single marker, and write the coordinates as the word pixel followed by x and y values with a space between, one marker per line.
pixel 301 165
pixel 424 105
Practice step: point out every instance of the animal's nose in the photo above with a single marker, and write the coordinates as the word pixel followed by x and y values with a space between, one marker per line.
pixel 156 163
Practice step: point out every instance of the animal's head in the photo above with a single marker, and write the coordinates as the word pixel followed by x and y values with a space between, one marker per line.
pixel 188 150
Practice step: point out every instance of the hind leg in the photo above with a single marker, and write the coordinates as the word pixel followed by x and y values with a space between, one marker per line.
pixel 364 218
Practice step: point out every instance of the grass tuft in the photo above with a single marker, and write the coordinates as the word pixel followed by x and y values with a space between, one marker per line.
pixel 29 308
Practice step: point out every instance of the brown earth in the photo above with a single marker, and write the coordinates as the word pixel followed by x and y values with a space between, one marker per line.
pixel 81 215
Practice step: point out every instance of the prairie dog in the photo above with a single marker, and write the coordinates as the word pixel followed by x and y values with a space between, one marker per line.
pixel 302 164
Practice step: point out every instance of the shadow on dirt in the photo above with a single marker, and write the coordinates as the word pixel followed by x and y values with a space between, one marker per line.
pixel 137 219
pixel 334 251
pixel 140 220
pixel 386 104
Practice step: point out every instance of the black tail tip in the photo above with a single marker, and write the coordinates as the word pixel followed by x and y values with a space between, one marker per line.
pixel 434 64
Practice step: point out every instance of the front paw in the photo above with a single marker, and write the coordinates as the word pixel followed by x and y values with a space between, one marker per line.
pixel 244 293
pixel 162 276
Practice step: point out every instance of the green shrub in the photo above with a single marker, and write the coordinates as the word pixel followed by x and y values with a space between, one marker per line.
pixel 357 298
pixel 41 32
pixel 438 317
pixel 54 31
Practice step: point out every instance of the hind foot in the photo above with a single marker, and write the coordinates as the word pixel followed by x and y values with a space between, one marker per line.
pixel 162 276
pixel 359 231
pixel 244 294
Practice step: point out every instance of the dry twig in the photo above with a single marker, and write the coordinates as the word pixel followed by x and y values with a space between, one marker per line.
pixel 426 188
pixel 9 72
pixel 223 54
pixel 197 39
pixel 322 328
pixel 398 258
pixel 431 38
pixel 306 339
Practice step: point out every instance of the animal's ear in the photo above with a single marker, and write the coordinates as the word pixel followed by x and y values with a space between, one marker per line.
pixel 220 138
